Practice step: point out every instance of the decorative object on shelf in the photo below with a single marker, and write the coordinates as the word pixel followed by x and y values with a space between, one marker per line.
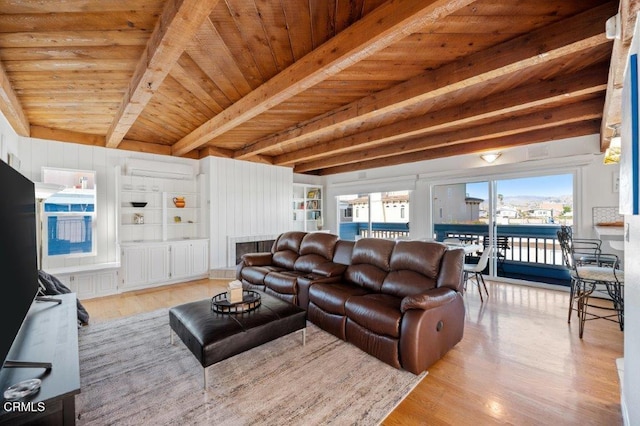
pixel 177 219
pixel 311 194
pixel 138 219
pixel 138 203
pixel 250 300
pixel 179 202
pixel 319 223
pixel 234 291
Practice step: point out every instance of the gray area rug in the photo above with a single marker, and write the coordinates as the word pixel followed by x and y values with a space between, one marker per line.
pixel 131 374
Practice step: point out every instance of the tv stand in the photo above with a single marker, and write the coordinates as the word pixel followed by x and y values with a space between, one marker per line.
pixel 49 340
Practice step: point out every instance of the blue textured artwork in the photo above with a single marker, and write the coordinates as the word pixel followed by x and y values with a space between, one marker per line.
pixel 629 155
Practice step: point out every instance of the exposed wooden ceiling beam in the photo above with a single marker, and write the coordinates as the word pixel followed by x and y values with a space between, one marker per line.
pixel 545 135
pixel 612 111
pixel 179 21
pixel 149 148
pixel 579 111
pixel 11 107
pixel 589 81
pixel 387 24
pixel 215 152
pixel 581 32
pixel 41 132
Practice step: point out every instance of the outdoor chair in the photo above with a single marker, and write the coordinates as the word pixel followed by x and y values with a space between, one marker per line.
pixel 476 271
pixel 602 276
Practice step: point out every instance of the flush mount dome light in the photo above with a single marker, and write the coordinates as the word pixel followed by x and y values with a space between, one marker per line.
pixel 490 157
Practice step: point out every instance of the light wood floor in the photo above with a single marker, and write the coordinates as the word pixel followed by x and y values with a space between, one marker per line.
pixel 519 362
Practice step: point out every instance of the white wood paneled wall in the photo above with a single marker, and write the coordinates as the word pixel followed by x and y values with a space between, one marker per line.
pixel 246 199
pixel 37 153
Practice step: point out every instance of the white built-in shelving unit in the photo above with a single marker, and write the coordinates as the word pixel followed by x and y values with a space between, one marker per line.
pixel 307 207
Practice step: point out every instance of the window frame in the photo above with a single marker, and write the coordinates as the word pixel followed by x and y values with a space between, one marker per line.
pixel 71 176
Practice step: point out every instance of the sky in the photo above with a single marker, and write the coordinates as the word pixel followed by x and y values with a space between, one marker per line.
pixel 545 186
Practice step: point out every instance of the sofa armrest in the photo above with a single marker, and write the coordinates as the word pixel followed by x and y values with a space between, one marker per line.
pixel 305 282
pixel 257 259
pixel 430 300
pixel 329 269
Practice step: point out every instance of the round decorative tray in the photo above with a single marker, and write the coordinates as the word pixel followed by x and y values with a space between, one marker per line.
pixel 250 301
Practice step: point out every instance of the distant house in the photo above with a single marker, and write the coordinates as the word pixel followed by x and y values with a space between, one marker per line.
pixel 507 212
pixel 541 213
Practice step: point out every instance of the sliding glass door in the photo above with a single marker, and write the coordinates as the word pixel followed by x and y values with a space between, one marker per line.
pixel 518 217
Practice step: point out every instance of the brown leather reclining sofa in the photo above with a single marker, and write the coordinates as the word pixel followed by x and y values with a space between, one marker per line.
pixel 398 301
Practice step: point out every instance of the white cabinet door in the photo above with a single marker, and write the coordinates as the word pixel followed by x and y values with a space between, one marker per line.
pixel 158 258
pixel 134 266
pixel 85 286
pixel 199 257
pixel 180 260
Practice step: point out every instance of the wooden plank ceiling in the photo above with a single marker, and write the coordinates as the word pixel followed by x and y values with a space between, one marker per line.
pixel 323 86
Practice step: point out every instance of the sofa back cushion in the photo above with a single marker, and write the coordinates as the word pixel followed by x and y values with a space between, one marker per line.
pixel 286 249
pixel 415 267
pixel 369 263
pixel 316 248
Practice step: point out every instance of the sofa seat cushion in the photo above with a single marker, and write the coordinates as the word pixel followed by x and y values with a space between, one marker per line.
pixel 257 274
pixel 379 313
pixel 284 282
pixel 331 297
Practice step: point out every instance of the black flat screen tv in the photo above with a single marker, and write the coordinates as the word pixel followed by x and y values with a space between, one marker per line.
pixel 18 254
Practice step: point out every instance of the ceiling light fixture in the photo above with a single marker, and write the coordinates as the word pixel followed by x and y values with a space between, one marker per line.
pixel 490 157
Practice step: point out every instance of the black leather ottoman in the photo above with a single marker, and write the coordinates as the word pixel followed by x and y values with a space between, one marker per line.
pixel 213 337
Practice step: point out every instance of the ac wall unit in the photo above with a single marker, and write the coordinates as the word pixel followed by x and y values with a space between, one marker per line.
pixel 135 167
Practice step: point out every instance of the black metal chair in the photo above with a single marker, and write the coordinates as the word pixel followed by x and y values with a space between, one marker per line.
pixel 502 245
pixel 588 251
pixel 599 274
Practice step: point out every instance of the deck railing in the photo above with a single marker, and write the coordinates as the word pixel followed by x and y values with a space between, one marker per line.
pixel 531 252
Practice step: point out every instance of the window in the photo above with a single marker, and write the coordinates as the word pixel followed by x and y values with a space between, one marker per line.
pixel 377 214
pixel 70 214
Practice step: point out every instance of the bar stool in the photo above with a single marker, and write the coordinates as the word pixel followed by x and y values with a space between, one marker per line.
pixel 599 275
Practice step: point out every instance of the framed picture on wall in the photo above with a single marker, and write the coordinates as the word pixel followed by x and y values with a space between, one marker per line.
pixel 629 152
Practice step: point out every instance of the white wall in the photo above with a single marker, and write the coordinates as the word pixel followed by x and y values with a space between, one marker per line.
pixel 37 153
pixel 246 199
pixel 631 379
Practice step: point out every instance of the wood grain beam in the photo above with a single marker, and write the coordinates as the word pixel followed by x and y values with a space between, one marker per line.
pixel 578 33
pixel 215 152
pixel 41 132
pixel 179 21
pixel 544 135
pixel 589 81
pixel 387 24
pixel 11 107
pixel 147 147
pixel 573 113
pixel 612 111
